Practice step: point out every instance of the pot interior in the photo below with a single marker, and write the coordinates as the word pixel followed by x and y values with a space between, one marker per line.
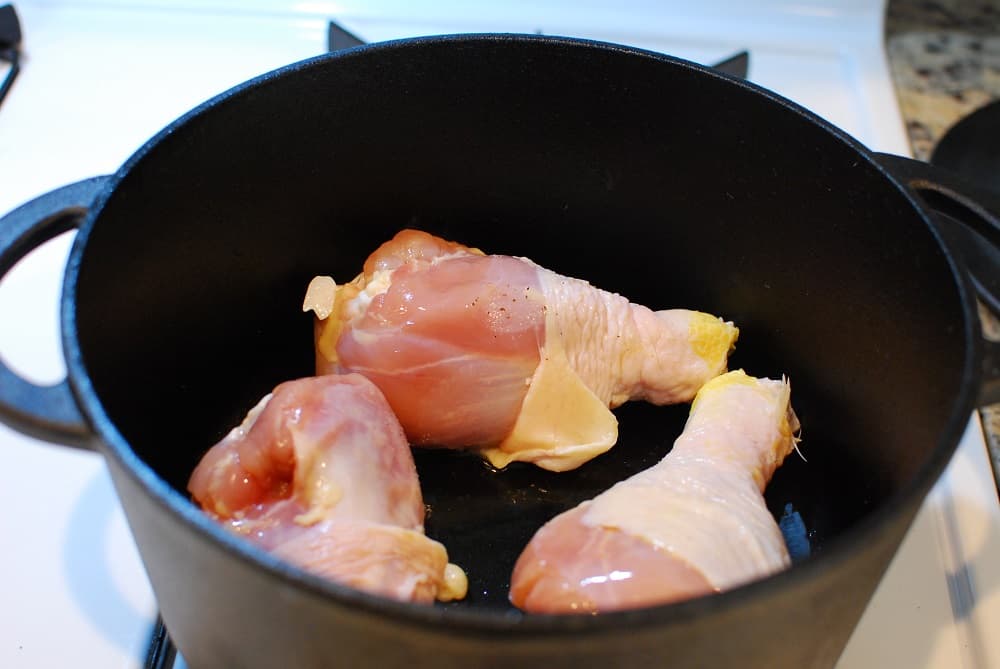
pixel 646 176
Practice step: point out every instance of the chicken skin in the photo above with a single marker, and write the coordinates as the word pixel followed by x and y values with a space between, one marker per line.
pixel 495 353
pixel 320 474
pixel 693 524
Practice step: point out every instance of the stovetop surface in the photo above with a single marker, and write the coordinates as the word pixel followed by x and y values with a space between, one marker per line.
pixel 100 77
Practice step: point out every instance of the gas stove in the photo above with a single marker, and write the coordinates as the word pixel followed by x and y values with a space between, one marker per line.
pixel 98 78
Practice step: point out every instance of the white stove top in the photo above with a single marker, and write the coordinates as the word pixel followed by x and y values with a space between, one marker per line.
pixel 99 78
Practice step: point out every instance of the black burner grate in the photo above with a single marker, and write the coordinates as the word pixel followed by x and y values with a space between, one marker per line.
pixel 10 47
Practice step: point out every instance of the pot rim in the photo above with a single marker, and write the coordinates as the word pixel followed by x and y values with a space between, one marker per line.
pixel 449 620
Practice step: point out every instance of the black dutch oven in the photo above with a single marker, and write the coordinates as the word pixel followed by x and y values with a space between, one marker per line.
pixel 647 175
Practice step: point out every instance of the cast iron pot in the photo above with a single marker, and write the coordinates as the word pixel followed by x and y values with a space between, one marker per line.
pixel 647 175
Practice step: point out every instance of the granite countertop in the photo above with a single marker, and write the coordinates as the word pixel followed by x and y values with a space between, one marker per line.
pixel 944 56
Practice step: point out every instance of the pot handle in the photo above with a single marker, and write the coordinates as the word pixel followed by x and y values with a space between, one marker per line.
pixel 968 219
pixel 49 413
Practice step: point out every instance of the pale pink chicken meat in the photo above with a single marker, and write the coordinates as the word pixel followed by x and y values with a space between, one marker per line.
pixel 495 353
pixel 320 474
pixel 693 524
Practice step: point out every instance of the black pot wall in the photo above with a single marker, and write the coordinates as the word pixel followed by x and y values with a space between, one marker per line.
pixel 672 185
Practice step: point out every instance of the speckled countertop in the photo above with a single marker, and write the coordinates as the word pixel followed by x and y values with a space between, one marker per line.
pixel 944 56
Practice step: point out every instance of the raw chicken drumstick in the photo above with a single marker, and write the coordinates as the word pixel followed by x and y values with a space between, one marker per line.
pixel 496 353
pixel 320 474
pixel 693 524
